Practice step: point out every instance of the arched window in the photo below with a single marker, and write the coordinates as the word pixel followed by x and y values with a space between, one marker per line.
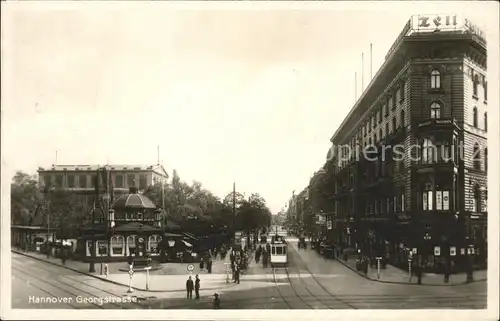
pixel 435 79
pixel 131 245
pixel 435 110
pixel 486 121
pixel 486 159
pixel 153 242
pixel 474 117
pixel 402 118
pixel 476 156
pixel 475 84
pixel 117 245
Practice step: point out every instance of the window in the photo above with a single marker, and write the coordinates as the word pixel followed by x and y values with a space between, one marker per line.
pixel 394 123
pixel 368 128
pixel 427 151
pixel 435 110
pixel 435 79
pixel 71 181
pixel 386 108
pixel 427 198
pixel 82 181
pixel 379 119
pixel 59 180
pixel 474 117
pixel 131 245
pixel 387 128
pixel 402 118
pixel 373 121
pixel 442 200
pixel 47 180
pixel 486 159
pixel 486 121
pixel 402 91
pixel 153 242
pixel 475 84
pixel 476 201
pixel 131 180
pixel 117 246
pixel 402 202
pixel 485 91
pixel 143 180
pixel 119 181
pixel 380 133
pixel 394 100
pixel 102 248
pixel 476 157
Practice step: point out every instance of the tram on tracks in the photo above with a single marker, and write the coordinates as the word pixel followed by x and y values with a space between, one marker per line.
pixel 279 251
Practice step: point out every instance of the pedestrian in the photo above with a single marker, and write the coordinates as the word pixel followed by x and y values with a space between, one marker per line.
pixel 197 287
pixel 189 287
pixel 216 301
pixel 237 274
pixel 209 265
pixel 419 273
pixel 446 271
pixel 63 256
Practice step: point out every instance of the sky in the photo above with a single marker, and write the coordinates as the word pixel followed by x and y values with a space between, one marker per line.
pixel 236 92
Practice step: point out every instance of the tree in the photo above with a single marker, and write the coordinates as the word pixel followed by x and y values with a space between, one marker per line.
pixel 24 197
pixel 66 211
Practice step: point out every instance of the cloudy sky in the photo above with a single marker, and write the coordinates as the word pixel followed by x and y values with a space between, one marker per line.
pixel 244 93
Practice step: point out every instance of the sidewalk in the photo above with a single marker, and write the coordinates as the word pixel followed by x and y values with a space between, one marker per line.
pixel 392 274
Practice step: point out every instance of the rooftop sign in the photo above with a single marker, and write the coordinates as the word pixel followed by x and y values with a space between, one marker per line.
pixel 433 23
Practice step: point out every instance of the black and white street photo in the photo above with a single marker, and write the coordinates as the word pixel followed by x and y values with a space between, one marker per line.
pixel 232 156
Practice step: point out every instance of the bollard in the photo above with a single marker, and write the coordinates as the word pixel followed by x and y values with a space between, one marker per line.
pixel 106 270
pixel 147 278
pixel 378 267
pixel 102 269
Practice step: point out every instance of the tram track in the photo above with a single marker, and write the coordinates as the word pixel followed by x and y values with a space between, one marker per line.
pixel 33 274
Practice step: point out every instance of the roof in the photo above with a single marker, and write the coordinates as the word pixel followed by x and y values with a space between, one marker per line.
pixel 136 226
pixel 157 168
pixel 133 201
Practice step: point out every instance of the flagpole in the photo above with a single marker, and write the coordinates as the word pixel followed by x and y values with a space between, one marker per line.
pixel 371 62
pixel 362 72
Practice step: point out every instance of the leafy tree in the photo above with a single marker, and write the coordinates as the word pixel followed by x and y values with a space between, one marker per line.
pixel 25 197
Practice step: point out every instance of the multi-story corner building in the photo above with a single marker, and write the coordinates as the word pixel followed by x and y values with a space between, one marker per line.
pixel 420 184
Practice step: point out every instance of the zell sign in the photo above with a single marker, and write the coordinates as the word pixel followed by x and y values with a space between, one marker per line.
pixel 435 22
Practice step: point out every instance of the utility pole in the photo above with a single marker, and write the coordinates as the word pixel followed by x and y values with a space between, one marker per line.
pixel 234 208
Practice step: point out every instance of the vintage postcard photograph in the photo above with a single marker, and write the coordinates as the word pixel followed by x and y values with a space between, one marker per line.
pixel 240 160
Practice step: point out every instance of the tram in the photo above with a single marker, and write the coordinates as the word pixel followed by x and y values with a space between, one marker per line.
pixel 279 251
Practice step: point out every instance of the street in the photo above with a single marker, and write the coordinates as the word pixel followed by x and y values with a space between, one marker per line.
pixel 309 282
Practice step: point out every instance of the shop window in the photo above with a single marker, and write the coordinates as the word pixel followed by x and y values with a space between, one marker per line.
pixel 153 244
pixel 131 248
pixel 442 200
pixel 102 248
pixel 117 246
pixel 427 200
pixel 435 79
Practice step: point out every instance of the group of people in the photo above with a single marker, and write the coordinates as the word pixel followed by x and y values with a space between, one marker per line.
pixel 190 286
pixel 239 263
pixel 264 252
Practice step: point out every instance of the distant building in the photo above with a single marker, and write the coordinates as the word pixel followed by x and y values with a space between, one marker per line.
pixel 80 178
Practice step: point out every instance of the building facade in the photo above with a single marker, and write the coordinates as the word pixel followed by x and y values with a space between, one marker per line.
pixel 407 171
pixel 79 178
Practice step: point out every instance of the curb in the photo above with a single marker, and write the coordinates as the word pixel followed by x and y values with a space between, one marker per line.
pixel 101 278
pixel 404 283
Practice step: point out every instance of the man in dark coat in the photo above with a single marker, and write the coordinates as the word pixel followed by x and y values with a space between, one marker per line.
pixel 237 274
pixel 197 287
pixel 189 288
pixel 216 301
pixel 209 265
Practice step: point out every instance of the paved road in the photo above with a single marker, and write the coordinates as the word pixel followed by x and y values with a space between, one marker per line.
pixel 40 285
pixel 310 282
